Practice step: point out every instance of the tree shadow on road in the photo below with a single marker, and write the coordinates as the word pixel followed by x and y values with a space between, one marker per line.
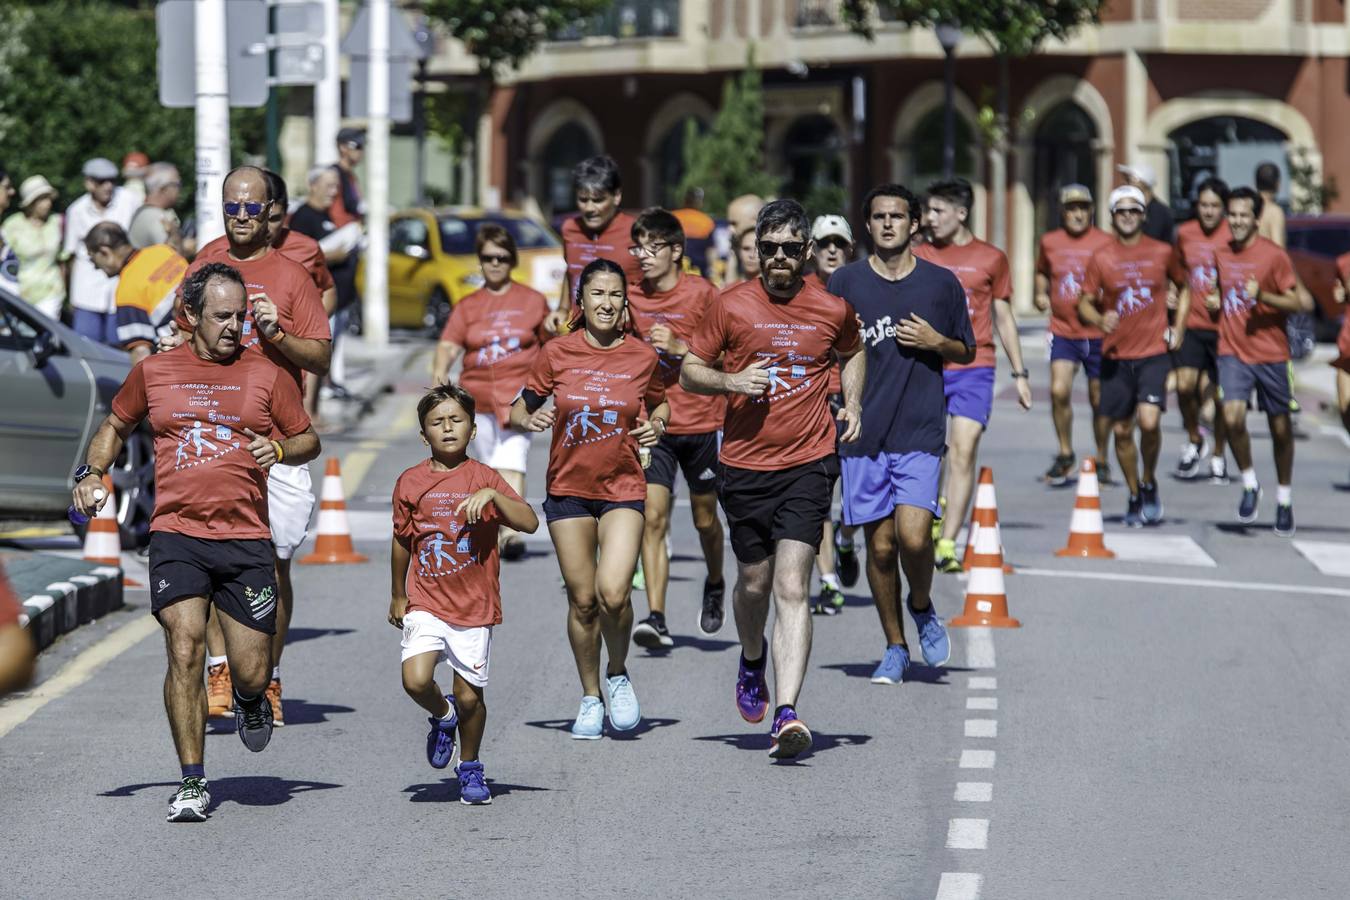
pixel 296 635
pixel 915 672
pixel 759 742
pixel 643 727
pixel 447 790
pixel 246 790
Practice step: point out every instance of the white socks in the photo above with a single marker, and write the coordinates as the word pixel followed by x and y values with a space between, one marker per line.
pixel 1249 479
pixel 832 580
pixel 276 673
pixel 1284 494
pixel 215 660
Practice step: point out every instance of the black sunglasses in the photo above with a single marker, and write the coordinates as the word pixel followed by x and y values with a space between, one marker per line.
pixel 500 259
pixel 251 208
pixel 836 242
pixel 791 249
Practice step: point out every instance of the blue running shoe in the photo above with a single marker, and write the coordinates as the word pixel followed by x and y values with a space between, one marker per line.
pixel 790 737
pixel 1134 516
pixel 1151 507
pixel 473 789
pixel 624 712
pixel 893 665
pixel 441 737
pixel 933 641
pixel 590 723
pixel 1251 500
pixel 752 692
pixel 1284 520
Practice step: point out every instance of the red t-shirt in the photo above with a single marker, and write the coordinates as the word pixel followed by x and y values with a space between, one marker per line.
pixel 294 246
pixel 288 285
pixel 1063 258
pixel 455 572
pixel 207 484
pixel 1343 339
pixel 580 247
pixel 790 424
pixel 680 309
pixel 1248 328
pixel 1133 280
pixel 983 272
pixel 500 334
pixel 1195 267
pixel 599 396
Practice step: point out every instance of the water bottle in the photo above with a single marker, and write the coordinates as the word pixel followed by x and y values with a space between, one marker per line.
pixel 76 517
pixel 645 456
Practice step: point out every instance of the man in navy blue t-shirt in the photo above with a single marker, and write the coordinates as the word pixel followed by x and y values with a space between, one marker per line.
pixel 913 318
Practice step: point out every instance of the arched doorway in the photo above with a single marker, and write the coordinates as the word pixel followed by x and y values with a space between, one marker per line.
pixel 1064 153
pixel 1229 147
pixel 567 146
pixel 669 161
pixel 813 155
pixel 926 149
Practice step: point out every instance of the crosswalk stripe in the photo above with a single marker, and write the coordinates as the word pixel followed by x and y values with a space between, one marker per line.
pixel 1329 557
pixel 1164 549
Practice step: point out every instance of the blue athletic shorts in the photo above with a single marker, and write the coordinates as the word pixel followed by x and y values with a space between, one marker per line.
pixel 873 486
pixel 1238 379
pixel 1084 351
pixel 970 393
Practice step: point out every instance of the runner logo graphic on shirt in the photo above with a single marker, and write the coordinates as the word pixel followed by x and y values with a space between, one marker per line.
pixel 496 351
pixel 1236 301
pixel 439 555
pixel 1135 298
pixel 1204 278
pixel 1070 287
pixel 200 443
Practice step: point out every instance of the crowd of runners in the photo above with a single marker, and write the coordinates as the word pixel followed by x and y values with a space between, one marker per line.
pixel 826 365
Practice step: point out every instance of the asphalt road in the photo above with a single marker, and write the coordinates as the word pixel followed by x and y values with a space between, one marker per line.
pixel 1178 737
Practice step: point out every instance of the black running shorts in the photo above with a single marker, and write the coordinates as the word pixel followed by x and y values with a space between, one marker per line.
pixel 1128 382
pixel 763 508
pixel 1199 350
pixel 237 576
pixel 695 455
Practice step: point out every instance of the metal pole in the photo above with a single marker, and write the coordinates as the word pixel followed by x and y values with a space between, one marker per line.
pixel 949 114
pixel 375 303
pixel 420 135
pixel 328 90
pixel 213 117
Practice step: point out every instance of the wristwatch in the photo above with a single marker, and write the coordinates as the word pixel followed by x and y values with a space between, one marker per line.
pixel 1022 374
pixel 85 471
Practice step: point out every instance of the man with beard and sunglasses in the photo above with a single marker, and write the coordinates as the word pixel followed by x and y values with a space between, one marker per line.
pixel 776 337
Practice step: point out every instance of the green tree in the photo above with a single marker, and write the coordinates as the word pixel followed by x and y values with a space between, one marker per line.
pixel 501 34
pixel 728 159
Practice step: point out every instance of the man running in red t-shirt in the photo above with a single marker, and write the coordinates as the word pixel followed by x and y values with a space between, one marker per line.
pixel 1125 295
pixel 1257 289
pixel 598 230
pixel 1060 264
pixel 667 306
pixel 776 337
pixel 1342 361
pixel 222 418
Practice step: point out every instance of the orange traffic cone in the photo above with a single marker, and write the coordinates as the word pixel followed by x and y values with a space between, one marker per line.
pixel 1085 528
pixel 984 513
pixel 103 539
pixel 333 543
pixel 986 599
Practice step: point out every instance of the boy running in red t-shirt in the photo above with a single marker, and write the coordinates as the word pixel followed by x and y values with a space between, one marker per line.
pixel 447 510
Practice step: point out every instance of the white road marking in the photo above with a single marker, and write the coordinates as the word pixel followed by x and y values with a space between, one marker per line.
pixel 977 759
pixel 1264 587
pixel 968 834
pixel 974 792
pixel 1329 557
pixel 981 703
pixel 1337 432
pixel 1165 549
pixel 982 683
pixel 980 648
pixel 960 886
pixel 982 728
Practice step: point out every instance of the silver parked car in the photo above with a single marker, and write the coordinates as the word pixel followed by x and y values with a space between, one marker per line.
pixel 55 390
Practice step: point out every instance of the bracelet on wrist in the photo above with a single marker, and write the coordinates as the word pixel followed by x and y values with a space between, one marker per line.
pixel 276 447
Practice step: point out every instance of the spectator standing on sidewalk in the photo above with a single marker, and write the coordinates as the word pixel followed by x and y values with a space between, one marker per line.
pixel 156 222
pixel 9 263
pixel 34 234
pixel 147 283
pixel 91 292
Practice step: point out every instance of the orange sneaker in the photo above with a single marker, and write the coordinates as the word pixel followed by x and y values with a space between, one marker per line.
pixel 274 698
pixel 219 692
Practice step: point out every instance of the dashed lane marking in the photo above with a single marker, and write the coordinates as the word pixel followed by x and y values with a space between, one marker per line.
pixel 980 648
pixel 968 834
pixel 982 728
pixel 981 703
pixel 982 683
pixel 1329 557
pixel 974 792
pixel 960 886
pixel 1163 549
pixel 1263 587
pixel 977 759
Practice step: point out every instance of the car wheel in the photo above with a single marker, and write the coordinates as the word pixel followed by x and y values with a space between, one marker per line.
pixel 437 312
pixel 133 477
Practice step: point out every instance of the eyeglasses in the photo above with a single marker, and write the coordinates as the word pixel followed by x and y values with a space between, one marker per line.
pixel 495 259
pixel 791 249
pixel 651 249
pixel 251 208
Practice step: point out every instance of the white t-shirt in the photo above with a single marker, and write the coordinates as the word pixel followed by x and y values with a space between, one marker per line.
pixel 89 288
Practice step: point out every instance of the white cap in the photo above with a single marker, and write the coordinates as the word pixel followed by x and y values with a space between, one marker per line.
pixel 831 226
pixel 1123 195
pixel 1140 172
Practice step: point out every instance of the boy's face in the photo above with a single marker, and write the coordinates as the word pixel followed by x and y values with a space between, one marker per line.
pixel 657 258
pixel 447 429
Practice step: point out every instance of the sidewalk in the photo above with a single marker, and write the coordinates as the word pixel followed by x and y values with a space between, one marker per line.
pixel 59 593
pixel 371 371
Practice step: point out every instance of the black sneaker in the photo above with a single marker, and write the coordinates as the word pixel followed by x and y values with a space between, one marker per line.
pixel 845 558
pixel 1104 476
pixel 1150 508
pixel 1251 500
pixel 1134 516
pixel 254 723
pixel 1058 473
pixel 710 620
pixel 651 632
pixel 1284 520
pixel 829 602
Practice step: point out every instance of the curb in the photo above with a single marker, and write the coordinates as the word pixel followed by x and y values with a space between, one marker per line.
pixel 63 606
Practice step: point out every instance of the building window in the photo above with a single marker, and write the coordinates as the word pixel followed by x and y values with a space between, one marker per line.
pixel 926 149
pixel 670 162
pixel 1230 147
pixel 813 152
pixel 568 146
pixel 628 19
pixel 1064 154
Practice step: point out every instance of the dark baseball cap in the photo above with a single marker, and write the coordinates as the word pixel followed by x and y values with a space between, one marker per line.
pixel 355 136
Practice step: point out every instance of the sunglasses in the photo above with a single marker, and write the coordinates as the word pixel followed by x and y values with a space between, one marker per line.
pixel 791 249
pixel 837 243
pixel 499 260
pixel 251 209
pixel 1129 211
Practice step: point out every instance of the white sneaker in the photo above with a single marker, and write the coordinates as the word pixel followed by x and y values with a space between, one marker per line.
pixel 189 802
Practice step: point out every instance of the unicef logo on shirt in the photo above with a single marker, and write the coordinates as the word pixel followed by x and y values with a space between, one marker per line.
pixel 611 417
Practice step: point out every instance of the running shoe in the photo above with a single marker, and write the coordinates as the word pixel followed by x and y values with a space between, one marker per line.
pixel 1134 516
pixel 752 692
pixel 945 559
pixel 189 802
pixel 219 692
pixel 937 520
pixel 1060 470
pixel 1251 500
pixel 710 619
pixel 273 694
pixel 590 721
pixel 1104 476
pixel 624 712
pixel 639 578
pixel 253 723
pixel 790 737
pixel 652 632
pixel 513 548
pixel 1284 520
pixel 933 641
pixel 1188 466
pixel 845 557
pixel 441 737
pixel 1218 470
pixel 829 602
pixel 894 662
pixel 1151 508
pixel 473 789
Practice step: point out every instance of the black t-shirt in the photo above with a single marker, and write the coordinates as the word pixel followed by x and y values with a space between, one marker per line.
pixel 312 222
pixel 904 409
pixel 1158 222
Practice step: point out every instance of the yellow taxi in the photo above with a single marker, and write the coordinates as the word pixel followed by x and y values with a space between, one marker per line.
pixel 432 263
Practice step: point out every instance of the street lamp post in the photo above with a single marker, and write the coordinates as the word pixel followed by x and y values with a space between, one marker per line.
pixel 949 35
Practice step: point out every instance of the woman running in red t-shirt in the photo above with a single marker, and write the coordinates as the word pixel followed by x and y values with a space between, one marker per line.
pixel 601 379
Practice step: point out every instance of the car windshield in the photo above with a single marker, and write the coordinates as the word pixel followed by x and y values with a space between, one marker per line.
pixel 457 234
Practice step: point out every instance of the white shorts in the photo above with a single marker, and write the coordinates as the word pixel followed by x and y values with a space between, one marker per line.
pixel 467 650
pixel 498 447
pixel 290 503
